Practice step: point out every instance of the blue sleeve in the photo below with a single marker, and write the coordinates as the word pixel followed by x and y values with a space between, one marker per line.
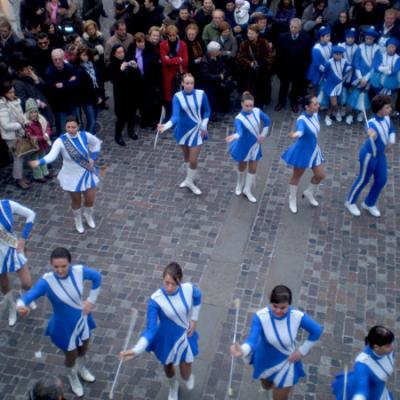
pixel 264 118
pixel 361 380
pixel 176 108
pixel 152 321
pixel 238 127
pixel 377 61
pixel 319 59
pixel 94 155
pixel 38 290
pixel 196 296
pixel 255 332
pixel 300 126
pixel 312 327
pixel 396 67
pixel 205 107
pixel 90 274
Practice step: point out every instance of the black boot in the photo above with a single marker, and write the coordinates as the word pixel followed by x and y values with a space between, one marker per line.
pixel 120 141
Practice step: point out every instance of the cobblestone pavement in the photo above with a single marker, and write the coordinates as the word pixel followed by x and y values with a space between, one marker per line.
pixel 350 280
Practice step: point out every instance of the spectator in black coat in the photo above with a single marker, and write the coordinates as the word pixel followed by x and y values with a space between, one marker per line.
pixel 62 88
pixel 125 77
pixel 183 20
pixel 147 15
pixel 40 57
pixel 33 11
pixel 89 87
pixel 9 41
pixel 214 79
pixel 204 14
pixel 292 58
pixel 92 9
pixel 339 28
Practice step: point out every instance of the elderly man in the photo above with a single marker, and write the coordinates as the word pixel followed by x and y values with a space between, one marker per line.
pixel 211 32
pixel 62 88
pixel 120 37
pixel 292 58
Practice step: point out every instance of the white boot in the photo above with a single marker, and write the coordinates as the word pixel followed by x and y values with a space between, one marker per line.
pixel 190 382
pixel 83 372
pixel 12 309
pixel 173 389
pixel 88 214
pixel 250 182
pixel 349 119
pixel 353 209
pixel 293 198
pixel 328 120
pixel 360 117
pixel 338 116
pixel 189 182
pixel 78 220
pixel 241 176
pixel 373 210
pixel 309 194
pixel 74 381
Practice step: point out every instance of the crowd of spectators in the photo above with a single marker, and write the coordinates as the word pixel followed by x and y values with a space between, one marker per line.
pixel 59 56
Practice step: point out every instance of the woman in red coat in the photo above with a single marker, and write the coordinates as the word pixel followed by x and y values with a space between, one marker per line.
pixel 174 59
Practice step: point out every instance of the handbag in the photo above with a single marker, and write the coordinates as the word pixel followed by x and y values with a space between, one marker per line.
pixel 26 145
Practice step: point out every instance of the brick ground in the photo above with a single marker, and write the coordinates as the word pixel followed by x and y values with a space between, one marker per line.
pixel 350 279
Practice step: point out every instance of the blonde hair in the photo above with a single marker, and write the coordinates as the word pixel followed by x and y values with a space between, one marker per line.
pixel 155 29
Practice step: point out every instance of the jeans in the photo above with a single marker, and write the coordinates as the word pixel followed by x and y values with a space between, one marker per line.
pixel 90 111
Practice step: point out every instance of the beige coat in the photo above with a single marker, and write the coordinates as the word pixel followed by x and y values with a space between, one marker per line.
pixel 11 119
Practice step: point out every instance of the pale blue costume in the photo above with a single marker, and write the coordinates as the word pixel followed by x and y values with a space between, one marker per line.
pixel 168 319
pixel 363 69
pixel 368 379
pixel 67 327
pixel 10 259
pixel 273 339
pixel 373 161
pixel 305 152
pixel 190 115
pixel 76 174
pixel 248 127
pixel 385 77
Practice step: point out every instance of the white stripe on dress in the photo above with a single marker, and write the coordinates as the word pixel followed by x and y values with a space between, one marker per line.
pixel 363 173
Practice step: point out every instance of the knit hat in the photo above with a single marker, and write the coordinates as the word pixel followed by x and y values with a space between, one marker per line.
pixel 31 105
pixel 392 41
pixel 324 30
pixel 370 31
pixel 213 46
pixel 338 49
pixel 350 33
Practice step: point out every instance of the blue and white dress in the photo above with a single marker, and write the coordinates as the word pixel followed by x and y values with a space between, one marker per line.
pixel 67 327
pixel 272 340
pixel 190 115
pixel 168 319
pixel 334 76
pixel 75 174
pixel 249 126
pixel 305 152
pixel 363 69
pixel 386 72
pixel 320 55
pixel 10 259
pixel 373 161
pixel 368 379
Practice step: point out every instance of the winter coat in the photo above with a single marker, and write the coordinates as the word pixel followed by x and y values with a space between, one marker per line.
pixel 11 119
pixel 171 66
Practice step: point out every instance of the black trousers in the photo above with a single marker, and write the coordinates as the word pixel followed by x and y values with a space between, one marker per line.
pixel 126 119
pixel 297 89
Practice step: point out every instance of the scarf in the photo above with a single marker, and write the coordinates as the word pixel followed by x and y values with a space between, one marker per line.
pixel 89 68
pixel 173 49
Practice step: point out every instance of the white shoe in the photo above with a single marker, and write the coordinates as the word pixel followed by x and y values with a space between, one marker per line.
pixel 373 210
pixel 88 214
pixel 83 372
pixel 76 385
pixel 12 309
pixel 293 198
pixel 190 382
pixel 193 188
pixel 328 121
pixel 338 116
pixel 250 181
pixel 360 117
pixel 309 194
pixel 268 394
pixel 241 176
pixel 78 220
pixel 173 389
pixel 189 182
pixel 353 209
pixel 349 119
pixel 33 305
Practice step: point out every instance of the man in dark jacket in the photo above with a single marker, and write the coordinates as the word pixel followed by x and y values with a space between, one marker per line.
pixel 293 54
pixel 62 88
pixel 149 14
pixel 92 9
pixel 40 56
pixel 27 85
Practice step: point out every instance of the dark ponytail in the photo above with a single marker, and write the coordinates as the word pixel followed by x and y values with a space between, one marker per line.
pixel 281 294
pixel 174 270
pixel 379 336
pixel 60 252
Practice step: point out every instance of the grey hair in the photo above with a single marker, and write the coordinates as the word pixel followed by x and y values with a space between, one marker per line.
pixel 48 388
pixel 296 21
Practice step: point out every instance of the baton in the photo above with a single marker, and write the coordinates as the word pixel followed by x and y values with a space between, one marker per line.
pixel 127 339
pixel 162 116
pixel 237 305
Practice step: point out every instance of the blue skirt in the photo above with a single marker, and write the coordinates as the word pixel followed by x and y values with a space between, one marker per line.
pixel 243 150
pixel 358 100
pixel 299 155
pixel 382 81
pixel 10 259
pixel 191 140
